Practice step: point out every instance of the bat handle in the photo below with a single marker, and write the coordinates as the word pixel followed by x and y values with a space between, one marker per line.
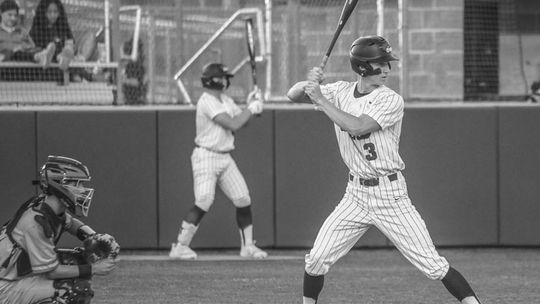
pixel 256 88
pixel 324 61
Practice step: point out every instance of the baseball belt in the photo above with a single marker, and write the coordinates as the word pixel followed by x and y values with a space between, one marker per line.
pixel 215 151
pixel 372 181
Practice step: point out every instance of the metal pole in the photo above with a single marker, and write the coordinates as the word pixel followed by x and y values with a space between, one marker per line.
pixel 107 31
pixel 179 38
pixel 116 49
pixel 213 38
pixel 268 36
pixel 151 57
pixel 168 56
pixel 404 47
pixel 380 17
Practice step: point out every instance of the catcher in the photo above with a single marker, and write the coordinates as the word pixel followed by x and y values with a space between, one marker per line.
pixel 32 269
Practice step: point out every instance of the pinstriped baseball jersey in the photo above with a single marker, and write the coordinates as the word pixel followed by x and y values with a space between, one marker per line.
pixel 211 135
pixel 379 149
pixel 211 166
pixel 383 201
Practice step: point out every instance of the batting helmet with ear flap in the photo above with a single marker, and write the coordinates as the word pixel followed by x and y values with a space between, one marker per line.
pixel 212 70
pixel 370 49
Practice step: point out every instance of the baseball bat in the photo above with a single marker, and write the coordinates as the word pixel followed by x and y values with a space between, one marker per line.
pixel 251 51
pixel 346 12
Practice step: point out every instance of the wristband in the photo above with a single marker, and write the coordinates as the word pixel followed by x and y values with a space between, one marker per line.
pixel 84 232
pixel 85 271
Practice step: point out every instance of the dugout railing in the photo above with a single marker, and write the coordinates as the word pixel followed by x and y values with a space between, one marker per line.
pixel 262 48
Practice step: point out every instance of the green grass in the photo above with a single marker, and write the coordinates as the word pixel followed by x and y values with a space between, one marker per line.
pixel 363 276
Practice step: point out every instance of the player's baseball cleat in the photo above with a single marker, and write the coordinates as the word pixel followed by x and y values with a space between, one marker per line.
pixel 182 252
pixel 252 251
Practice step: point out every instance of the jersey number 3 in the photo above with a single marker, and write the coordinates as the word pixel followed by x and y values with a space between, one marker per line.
pixel 369 147
pixel 371 153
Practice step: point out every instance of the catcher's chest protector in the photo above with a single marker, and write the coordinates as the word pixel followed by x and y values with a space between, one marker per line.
pixel 11 254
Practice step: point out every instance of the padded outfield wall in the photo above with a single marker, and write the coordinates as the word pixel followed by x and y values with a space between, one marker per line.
pixel 472 172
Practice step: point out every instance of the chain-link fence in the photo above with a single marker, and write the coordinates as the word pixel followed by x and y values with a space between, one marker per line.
pixel 35 68
pixel 501 49
pixel 454 50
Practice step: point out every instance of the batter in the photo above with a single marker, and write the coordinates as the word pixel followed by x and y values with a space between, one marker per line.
pixel 217 117
pixel 367 117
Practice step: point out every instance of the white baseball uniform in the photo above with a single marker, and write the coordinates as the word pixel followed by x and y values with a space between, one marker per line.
pixel 211 159
pixel 376 193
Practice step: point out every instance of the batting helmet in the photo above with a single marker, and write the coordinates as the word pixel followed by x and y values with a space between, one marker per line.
pixel 370 49
pixel 63 177
pixel 212 70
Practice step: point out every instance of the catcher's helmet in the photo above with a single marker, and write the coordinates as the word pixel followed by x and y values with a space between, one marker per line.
pixel 57 177
pixel 370 49
pixel 212 70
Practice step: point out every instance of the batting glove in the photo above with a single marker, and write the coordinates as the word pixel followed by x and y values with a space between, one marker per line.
pixel 254 95
pixel 256 107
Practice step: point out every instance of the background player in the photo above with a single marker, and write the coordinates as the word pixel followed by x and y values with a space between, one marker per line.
pixel 217 117
pixel 31 270
pixel 367 118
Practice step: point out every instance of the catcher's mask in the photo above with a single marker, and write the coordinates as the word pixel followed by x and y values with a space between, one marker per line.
pixel 215 70
pixel 370 49
pixel 63 177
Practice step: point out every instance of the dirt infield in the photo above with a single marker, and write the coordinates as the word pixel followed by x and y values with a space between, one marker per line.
pixel 364 276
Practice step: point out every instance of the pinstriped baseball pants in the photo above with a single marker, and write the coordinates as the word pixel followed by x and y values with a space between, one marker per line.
pixel 211 168
pixel 387 207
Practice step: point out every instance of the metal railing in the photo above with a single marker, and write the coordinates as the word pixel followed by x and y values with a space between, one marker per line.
pixel 107 64
pixel 136 32
pixel 238 14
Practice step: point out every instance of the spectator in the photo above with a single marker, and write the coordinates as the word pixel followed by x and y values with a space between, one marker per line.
pixel 535 92
pixel 535 87
pixel 134 86
pixel 15 42
pixel 50 25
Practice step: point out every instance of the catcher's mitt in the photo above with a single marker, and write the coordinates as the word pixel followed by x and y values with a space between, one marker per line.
pixel 100 246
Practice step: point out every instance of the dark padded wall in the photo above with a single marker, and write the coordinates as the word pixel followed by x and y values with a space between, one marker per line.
pixel 119 147
pixel 18 160
pixel 451 167
pixel 519 146
pixel 176 130
pixel 254 157
pixel 310 178
pixel 472 173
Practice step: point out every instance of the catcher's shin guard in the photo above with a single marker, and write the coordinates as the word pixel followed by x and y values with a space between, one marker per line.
pixel 73 291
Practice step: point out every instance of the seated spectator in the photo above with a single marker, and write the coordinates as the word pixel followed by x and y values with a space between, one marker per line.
pixel 15 42
pixel 50 25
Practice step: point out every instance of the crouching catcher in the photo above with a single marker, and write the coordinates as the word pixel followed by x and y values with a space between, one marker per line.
pixel 32 269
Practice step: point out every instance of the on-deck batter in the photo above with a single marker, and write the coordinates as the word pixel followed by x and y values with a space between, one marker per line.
pixel 367 117
pixel 216 118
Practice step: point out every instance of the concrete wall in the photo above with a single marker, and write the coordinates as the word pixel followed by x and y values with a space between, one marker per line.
pixel 471 172
pixel 435 49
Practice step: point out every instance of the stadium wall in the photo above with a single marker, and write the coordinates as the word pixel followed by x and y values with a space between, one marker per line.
pixel 471 170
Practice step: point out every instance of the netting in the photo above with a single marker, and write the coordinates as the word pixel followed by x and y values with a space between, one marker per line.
pixel 230 48
pixel 37 75
pixel 470 50
pixel 501 49
pixel 301 33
